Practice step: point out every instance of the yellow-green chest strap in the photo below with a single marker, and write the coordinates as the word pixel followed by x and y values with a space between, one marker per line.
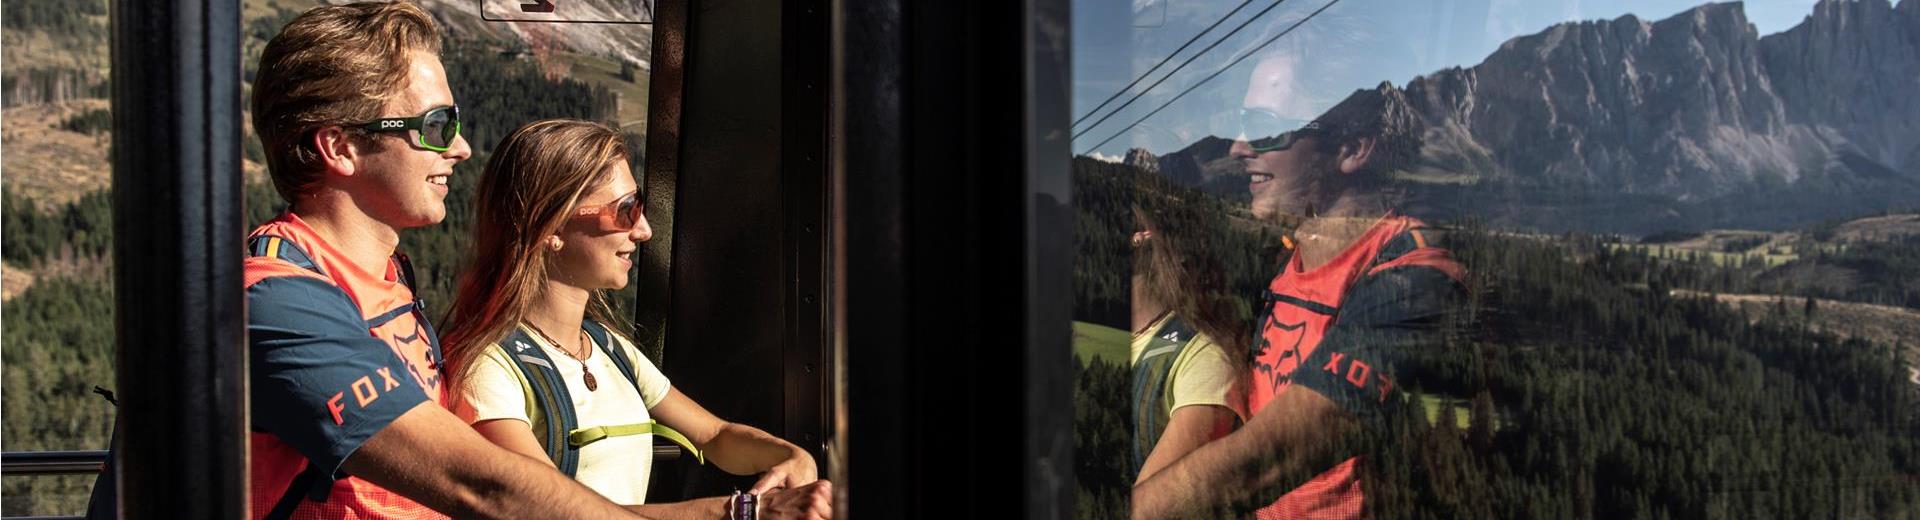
pixel 584 436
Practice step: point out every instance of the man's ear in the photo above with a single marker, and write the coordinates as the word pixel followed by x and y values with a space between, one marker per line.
pixel 338 153
pixel 1355 155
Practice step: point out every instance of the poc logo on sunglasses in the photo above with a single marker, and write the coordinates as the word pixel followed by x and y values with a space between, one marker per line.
pixel 393 124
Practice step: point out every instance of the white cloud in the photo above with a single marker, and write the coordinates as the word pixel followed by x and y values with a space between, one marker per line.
pixel 1105 158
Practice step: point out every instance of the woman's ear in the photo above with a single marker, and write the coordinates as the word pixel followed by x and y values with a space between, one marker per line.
pixel 554 242
pixel 337 151
pixel 1355 155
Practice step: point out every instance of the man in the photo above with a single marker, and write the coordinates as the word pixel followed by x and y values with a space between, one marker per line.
pixel 361 134
pixel 1364 289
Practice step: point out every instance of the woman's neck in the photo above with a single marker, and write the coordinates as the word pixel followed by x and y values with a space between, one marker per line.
pixel 557 312
pixel 1146 309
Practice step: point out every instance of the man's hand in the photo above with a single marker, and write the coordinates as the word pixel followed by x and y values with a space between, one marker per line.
pixel 798 470
pixel 812 501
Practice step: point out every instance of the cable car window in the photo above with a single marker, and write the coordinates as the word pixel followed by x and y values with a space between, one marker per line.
pixel 59 307
pixel 1473 258
pixel 58 310
pixel 574 11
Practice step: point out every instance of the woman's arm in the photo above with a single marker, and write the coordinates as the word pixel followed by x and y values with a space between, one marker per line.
pixel 515 435
pixel 1189 428
pixel 737 448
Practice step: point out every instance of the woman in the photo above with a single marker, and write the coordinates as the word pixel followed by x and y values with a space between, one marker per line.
pixel 556 221
pixel 1189 348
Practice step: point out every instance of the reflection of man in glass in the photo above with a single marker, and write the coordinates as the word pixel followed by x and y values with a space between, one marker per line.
pixel 1364 290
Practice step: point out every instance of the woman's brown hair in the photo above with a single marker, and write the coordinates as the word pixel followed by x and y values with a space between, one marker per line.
pixel 1182 267
pixel 528 191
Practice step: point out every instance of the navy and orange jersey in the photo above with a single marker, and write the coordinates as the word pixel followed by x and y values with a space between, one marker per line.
pixel 337 353
pixel 1342 329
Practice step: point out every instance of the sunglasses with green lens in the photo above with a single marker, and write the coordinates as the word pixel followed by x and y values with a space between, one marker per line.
pixel 1268 132
pixel 437 128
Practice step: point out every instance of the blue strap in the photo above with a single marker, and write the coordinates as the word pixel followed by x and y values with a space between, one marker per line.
pixel 272 246
pixel 551 396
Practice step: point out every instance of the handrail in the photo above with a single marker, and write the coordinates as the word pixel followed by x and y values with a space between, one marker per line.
pixel 15 463
pixel 85 462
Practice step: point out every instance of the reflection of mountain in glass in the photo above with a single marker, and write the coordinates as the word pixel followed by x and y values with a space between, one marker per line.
pixel 1694 121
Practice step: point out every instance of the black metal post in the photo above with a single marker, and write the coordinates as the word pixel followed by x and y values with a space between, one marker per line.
pixel 177 251
pixel 955 254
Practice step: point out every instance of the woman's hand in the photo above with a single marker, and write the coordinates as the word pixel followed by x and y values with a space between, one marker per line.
pixel 798 470
pixel 812 501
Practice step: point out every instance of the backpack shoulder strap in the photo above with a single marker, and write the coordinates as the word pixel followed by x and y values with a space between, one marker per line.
pixel 1418 246
pixel 1414 238
pixel 554 405
pixel 273 246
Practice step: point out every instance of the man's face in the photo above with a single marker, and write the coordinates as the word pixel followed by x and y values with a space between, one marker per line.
pixel 402 185
pixel 1285 181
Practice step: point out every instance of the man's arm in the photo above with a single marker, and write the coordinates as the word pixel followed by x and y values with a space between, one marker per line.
pixel 1295 437
pixel 345 401
pixel 1347 383
pixel 432 457
pixel 1189 428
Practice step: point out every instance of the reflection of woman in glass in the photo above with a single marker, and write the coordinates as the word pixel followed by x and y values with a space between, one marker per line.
pixel 1189 349
pixel 555 224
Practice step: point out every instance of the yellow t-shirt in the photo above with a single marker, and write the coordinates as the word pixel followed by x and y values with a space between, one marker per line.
pixel 616 467
pixel 1202 372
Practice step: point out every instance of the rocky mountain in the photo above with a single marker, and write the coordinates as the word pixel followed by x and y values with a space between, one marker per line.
pixel 1694 121
pixel 1206 164
pixel 1142 159
pixel 1691 121
pixel 627 42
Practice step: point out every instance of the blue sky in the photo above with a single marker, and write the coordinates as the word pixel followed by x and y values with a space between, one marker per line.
pixel 1352 44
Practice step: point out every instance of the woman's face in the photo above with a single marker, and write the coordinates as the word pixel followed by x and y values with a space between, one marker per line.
pixel 596 252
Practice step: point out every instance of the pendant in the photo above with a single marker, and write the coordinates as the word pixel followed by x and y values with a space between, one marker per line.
pixel 591 384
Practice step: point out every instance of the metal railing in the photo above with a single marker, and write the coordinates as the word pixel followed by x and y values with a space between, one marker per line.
pixel 52 462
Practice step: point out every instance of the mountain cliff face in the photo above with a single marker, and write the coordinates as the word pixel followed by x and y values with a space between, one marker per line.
pixel 1694 106
pixel 1629 125
pixel 1855 67
pixel 628 42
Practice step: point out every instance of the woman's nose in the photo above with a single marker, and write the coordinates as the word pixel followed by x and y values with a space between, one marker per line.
pixel 642 231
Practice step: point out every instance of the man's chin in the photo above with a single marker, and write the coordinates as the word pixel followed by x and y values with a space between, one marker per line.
pixel 426 220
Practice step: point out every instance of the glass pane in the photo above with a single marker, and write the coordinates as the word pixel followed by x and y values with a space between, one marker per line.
pixel 1497 259
pixel 58 343
pixel 503 75
pixel 58 310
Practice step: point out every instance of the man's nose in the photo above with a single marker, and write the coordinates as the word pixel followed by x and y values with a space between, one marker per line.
pixel 460 150
pixel 1240 149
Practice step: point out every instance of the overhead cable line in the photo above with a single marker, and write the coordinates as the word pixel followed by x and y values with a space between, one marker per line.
pixel 1156 66
pixel 1210 77
pixel 1183 65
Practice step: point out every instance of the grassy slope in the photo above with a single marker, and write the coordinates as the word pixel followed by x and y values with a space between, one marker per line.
pixel 1092 341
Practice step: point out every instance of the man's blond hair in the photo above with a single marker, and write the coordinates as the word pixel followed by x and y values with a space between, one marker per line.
pixel 333 65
